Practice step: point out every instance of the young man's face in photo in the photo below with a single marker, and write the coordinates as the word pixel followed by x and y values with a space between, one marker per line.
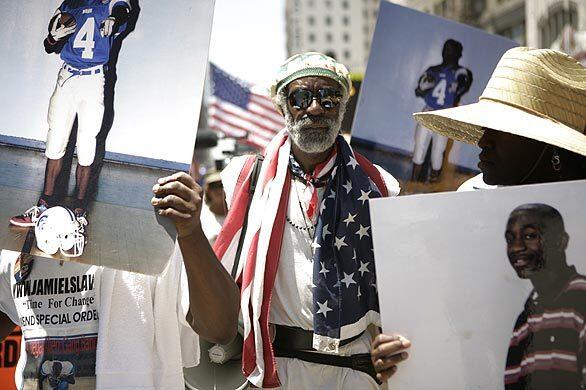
pixel 525 243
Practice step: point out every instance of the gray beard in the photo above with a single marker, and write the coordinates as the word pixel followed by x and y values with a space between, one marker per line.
pixel 311 139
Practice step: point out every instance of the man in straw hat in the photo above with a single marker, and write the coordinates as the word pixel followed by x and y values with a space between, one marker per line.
pixel 300 246
pixel 530 120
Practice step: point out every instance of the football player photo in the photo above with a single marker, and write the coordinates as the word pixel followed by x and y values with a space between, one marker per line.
pixel 101 105
pixel 440 86
pixel 441 66
pixel 81 33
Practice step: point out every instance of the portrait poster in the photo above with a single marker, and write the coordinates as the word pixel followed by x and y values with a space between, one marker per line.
pixel 99 99
pixel 419 62
pixel 461 276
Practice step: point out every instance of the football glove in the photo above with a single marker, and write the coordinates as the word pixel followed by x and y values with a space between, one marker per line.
pixel 60 31
pixel 108 26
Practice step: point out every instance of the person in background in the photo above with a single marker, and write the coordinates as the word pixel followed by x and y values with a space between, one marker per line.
pixel 214 208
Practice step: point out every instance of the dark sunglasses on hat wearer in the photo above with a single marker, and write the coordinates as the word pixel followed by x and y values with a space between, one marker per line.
pixel 302 98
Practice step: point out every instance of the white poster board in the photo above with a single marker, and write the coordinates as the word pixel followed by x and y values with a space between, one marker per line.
pixel 445 281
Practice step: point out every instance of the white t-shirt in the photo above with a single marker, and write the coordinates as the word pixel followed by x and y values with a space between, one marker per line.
pixel 474 184
pixel 87 327
pixel 211 223
pixel 292 298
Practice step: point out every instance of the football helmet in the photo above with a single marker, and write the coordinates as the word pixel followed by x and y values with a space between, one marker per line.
pixel 57 229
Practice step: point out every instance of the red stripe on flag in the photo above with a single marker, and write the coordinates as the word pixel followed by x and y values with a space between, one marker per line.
pixel 241 120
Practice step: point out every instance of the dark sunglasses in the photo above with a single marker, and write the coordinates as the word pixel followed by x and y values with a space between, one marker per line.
pixel 302 98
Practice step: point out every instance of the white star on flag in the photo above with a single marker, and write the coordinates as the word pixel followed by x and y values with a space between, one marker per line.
pixel 350 219
pixel 348 280
pixel 323 270
pixel 340 242
pixel 325 231
pixel 332 195
pixel 314 246
pixel 323 308
pixel 364 196
pixel 363 231
pixel 348 186
pixel 363 268
pixel 352 162
pixel 322 207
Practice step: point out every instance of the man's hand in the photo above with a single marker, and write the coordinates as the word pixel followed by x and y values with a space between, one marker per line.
pixel 60 31
pixel 388 351
pixel 179 197
pixel 108 26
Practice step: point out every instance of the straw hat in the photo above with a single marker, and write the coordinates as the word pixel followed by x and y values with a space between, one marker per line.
pixel 538 94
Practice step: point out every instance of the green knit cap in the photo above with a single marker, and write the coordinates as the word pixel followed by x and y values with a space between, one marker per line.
pixel 310 64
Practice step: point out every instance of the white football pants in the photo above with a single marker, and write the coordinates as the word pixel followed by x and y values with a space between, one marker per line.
pixel 75 95
pixel 422 138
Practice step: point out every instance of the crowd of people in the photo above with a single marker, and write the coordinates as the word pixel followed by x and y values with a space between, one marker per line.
pixel 293 222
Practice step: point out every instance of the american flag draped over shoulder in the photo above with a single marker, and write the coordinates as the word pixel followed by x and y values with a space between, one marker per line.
pixel 345 299
pixel 235 109
pixel 340 310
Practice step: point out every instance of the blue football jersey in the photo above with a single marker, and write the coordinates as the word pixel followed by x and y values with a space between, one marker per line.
pixel 86 47
pixel 446 88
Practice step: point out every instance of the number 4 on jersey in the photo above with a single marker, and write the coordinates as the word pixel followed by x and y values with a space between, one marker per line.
pixel 84 39
pixel 439 92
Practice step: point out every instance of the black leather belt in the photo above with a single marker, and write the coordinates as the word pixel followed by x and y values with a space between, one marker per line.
pixel 297 343
pixel 293 338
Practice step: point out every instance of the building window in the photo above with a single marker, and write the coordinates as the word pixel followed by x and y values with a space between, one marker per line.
pixel 311 37
pixel 331 53
pixel 328 20
pixel 478 6
pixel 346 54
pixel 346 37
pixel 328 3
pixel 516 33
pixel 311 20
pixel 328 37
pixel 345 20
pixel 551 27
pixel 345 4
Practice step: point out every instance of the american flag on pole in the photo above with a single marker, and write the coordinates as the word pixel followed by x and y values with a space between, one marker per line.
pixel 236 110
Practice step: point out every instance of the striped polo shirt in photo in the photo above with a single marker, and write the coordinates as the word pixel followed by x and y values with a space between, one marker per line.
pixel 547 349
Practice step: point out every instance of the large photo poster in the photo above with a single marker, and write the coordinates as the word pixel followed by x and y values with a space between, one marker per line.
pixel 419 62
pixel 489 286
pixel 99 99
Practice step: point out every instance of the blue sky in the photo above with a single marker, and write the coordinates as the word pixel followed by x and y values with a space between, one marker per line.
pixel 248 38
